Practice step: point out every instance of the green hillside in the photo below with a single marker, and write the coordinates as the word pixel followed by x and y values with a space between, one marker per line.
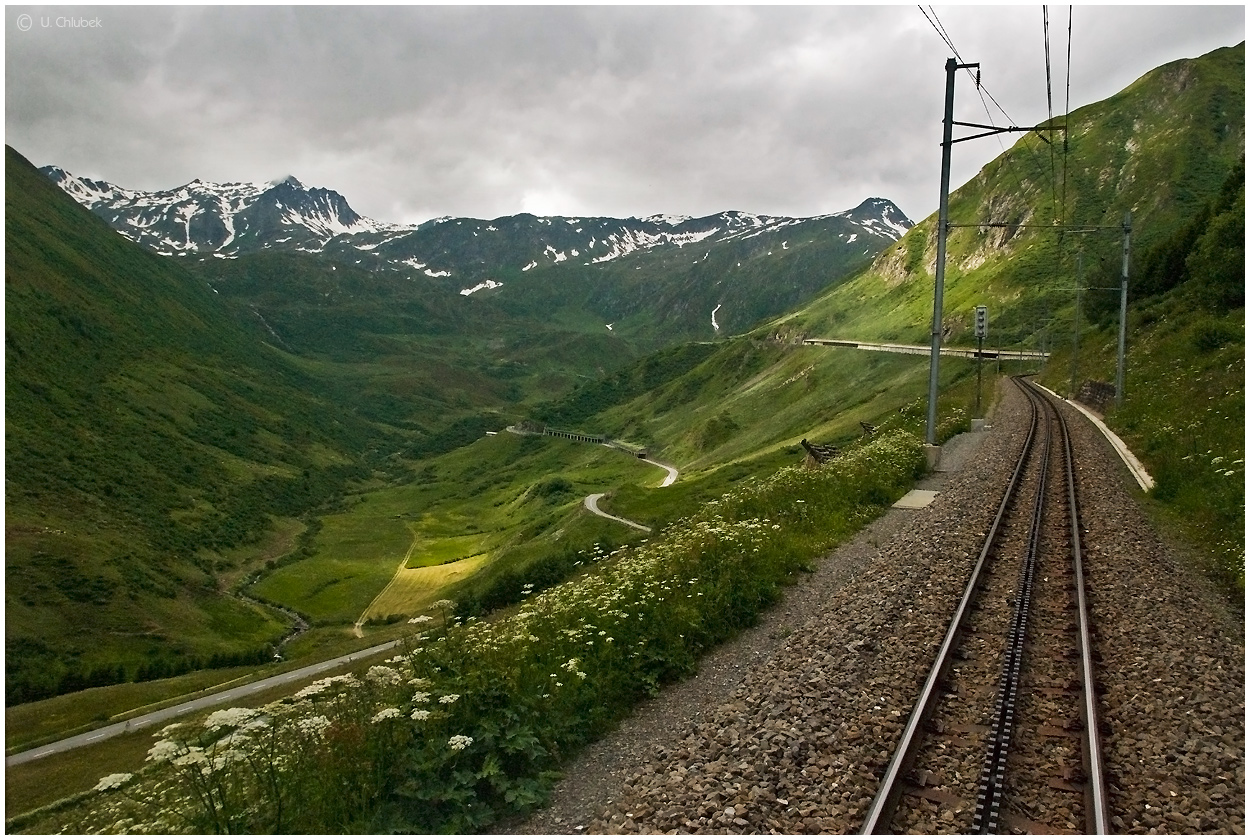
pixel 661 297
pixel 146 434
pixel 409 350
pixel 1158 149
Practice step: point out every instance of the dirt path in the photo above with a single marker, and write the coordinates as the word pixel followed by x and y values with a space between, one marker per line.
pixel 403 564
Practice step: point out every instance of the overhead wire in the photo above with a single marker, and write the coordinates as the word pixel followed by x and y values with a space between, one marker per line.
pixel 1043 301
pixel 1058 216
pixel 936 23
pixel 1050 108
pixel 932 17
pixel 1067 111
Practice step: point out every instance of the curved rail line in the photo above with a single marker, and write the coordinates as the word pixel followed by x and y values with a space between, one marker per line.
pixel 986 818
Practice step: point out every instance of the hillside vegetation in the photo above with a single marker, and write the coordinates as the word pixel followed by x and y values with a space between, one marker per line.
pixel 1158 150
pixel 146 433
pixel 1169 149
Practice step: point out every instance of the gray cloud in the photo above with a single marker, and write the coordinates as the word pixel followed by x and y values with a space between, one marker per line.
pixel 486 111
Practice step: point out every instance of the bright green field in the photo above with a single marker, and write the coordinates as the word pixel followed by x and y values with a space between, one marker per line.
pixel 477 499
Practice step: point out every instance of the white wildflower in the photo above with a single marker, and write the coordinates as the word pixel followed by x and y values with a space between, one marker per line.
pixel 449 698
pixel 421 714
pixel 382 675
pixel 420 619
pixel 459 742
pixel 193 755
pixel 421 697
pixel 225 759
pixel 229 717
pixel 314 725
pixel 386 714
pixel 114 781
pixel 312 690
pixel 163 751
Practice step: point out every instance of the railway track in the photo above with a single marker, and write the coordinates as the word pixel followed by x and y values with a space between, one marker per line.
pixel 1004 736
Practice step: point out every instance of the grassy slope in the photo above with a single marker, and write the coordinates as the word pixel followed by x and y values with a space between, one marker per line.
pixel 403 349
pixel 146 434
pixel 484 498
pixel 1158 149
pixel 659 297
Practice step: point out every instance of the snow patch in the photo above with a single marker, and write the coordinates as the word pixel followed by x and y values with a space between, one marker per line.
pixel 488 285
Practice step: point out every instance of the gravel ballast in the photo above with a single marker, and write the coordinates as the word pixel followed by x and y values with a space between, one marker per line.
pixel 787 728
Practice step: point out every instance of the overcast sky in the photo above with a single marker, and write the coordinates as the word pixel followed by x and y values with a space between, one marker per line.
pixel 414 113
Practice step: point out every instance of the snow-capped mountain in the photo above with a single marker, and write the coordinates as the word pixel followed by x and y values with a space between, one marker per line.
pixel 230 220
pixel 222 219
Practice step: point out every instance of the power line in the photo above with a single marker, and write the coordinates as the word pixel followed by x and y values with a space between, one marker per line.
pixel 981 92
pixel 1050 109
pixel 1067 111
pixel 932 17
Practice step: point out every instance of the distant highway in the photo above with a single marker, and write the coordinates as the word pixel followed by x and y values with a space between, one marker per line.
pixel 592 501
pixel 592 505
pixel 672 472
pixel 924 350
pixel 144 721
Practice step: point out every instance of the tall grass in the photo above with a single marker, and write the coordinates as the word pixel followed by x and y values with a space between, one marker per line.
pixel 471 723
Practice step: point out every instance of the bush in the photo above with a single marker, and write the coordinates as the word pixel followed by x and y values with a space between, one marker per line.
pixel 1211 335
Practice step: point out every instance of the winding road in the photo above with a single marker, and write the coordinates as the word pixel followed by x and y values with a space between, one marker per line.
pixel 592 501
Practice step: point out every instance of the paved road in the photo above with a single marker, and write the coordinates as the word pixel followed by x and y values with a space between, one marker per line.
pixel 672 472
pixel 144 721
pixel 592 501
pixel 924 349
pixel 592 505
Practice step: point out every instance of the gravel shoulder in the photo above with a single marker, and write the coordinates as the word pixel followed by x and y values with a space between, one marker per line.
pixel 787 727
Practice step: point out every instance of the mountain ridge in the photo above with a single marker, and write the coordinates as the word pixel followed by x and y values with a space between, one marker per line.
pixel 233 219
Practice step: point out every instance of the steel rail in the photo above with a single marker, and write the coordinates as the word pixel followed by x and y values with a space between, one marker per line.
pixel 1097 813
pixel 994 769
pixel 881 810
pixel 884 803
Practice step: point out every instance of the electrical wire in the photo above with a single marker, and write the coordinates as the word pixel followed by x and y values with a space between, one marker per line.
pixel 1050 108
pixel 981 91
pixel 1039 168
pixel 1067 113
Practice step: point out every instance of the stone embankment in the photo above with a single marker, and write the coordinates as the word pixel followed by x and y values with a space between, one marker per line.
pixel 788 728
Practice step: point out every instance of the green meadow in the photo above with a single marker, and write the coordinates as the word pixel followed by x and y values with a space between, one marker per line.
pixel 482 499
